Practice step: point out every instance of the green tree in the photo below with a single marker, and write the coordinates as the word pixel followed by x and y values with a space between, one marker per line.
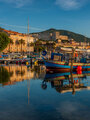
pixel 4 41
pixel 41 49
pixel 37 46
pixel 22 42
pixel 38 42
pixel 54 45
pixel 32 44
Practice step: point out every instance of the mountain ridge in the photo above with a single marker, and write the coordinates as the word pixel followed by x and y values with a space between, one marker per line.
pixel 76 36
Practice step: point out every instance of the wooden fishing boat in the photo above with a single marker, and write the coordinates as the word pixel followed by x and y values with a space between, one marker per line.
pixel 65 66
pixel 56 66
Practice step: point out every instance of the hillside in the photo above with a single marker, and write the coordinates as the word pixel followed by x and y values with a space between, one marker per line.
pixel 75 36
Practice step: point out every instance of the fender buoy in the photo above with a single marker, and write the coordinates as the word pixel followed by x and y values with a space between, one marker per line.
pixel 76 81
pixel 79 72
pixel 79 68
pixel 44 53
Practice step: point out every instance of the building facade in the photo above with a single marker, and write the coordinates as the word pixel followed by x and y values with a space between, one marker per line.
pixel 16 47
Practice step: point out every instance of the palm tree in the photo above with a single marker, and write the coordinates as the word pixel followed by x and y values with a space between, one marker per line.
pixel 17 44
pixel 54 45
pixel 38 44
pixel 22 42
pixel 10 43
pixel 32 44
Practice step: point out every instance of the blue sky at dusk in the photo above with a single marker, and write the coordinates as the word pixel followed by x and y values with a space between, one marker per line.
pixel 72 15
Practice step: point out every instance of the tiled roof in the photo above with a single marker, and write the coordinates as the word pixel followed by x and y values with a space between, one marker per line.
pixel 13 32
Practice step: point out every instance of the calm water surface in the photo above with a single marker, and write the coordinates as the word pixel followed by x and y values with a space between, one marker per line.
pixel 31 94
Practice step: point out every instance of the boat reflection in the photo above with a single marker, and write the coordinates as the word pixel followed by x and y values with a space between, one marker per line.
pixel 67 82
pixel 62 82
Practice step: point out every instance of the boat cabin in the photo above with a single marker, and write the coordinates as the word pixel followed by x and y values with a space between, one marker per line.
pixel 57 56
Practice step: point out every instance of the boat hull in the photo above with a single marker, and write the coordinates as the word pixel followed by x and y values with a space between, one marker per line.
pixel 54 66
pixel 55 69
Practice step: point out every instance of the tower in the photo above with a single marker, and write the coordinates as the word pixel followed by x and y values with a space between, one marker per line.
pixel 55 35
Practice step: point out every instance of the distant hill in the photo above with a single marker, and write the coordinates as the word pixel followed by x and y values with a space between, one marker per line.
pixel 75 36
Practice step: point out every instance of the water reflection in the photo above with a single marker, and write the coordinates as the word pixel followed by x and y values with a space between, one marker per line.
pixel 41 91
pixel 61 82
pixel 4 76
pixel 67 82
pixel 9 75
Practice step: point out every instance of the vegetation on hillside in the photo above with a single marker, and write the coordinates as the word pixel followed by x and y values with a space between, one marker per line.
pixel 75 36
pixel 4 41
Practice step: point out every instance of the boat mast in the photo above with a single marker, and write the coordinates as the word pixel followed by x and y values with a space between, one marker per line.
pixel 28 81
pixel 28 46
pixel 28 25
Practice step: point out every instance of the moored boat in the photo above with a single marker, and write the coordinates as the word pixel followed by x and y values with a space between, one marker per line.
pixel 62 67
pixel 65 66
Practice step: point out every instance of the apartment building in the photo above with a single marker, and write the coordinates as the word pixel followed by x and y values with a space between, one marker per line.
pixel 15 36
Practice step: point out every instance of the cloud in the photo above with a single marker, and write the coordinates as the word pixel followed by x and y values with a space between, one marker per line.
pixel 73 111
pixel 71 4
pixel 17 3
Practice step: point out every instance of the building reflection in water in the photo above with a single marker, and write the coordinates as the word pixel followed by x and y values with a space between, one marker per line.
pixel 67 82
pixel 4 76
pixel 11 74
pixel 62 82
pixel 15 74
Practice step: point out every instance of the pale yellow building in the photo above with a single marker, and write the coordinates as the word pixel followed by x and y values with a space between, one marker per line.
pixel 63 37
pixel 15 36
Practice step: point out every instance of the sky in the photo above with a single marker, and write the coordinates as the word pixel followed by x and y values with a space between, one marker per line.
pixel 72 15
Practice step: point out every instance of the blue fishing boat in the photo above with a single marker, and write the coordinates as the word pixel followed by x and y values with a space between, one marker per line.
pixel 64 66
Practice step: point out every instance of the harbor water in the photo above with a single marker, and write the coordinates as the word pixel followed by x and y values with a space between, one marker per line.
pixel 32 94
